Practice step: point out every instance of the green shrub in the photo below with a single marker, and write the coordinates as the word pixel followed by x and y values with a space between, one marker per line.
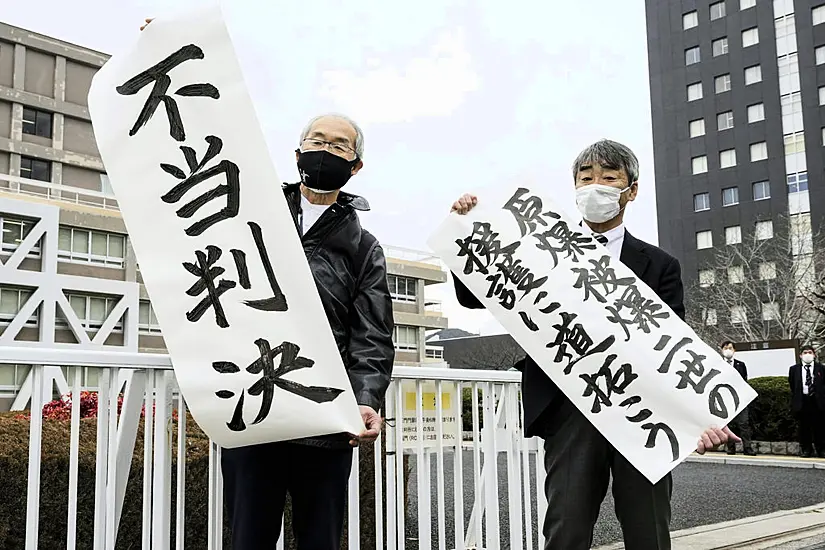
pixel 770 412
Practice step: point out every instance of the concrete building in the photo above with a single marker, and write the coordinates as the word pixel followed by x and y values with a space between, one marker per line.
pixel 65 251
pixel 737 93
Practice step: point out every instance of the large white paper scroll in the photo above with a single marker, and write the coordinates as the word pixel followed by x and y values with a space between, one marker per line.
pixel 218 251
pixel 637 371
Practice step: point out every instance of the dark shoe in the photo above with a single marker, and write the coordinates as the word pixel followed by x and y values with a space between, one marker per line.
pixel 731 453
pixel 750 452
pixel 807 454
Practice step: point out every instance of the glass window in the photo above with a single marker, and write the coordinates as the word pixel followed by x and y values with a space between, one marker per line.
pixel 35 169
pixel 750 37
pixel 770 311
pixel 733 235
pixel 701 202
pixel 699 165
pixel 767 271
pixel 738 316
pixel 801 234
pixel 746 4
pixel 722 83
pixel 704 240
pixel 14 231
pixel 818 15
pixel 37 123
pixel 736 274
pixel 797 183
pixel 730 196
pixel 759 151
pixel 91 311
pixel 792 113
pixel 405 338
pixel 753 75
pixel 794 143
pixel 147 322
pixel 761 190
pixel 707 277
pixel 727 158
pixel 782 7
pixel 724 121
pixel 694 91
pixel 717 10
pixel 820 55
pixel 84 246
pixel 764 230
pixel 697 128
pixel 692 56
pixel 12 301
pixel 788 74
pixel 710 317
pixel 690 20
pixel 719 46
pixel 785 35
pixel 402 289
pixel 822 95
pixel 756 113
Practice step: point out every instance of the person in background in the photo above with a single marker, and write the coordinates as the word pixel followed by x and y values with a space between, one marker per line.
pixel 742 423
pixel 578 459
pixel 807 381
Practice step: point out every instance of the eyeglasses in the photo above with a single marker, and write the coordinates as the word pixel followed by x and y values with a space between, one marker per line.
pixel 310 144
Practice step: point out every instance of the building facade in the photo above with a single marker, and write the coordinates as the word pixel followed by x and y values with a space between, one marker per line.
pixel 737 94
pixel 69 276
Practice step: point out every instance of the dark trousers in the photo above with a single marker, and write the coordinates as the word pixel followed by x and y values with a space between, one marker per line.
pixel 741 426
pixel 257 480
pixel 811 426
pixel 579 462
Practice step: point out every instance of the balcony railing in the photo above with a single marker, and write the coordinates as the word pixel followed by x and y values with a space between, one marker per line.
pixel 410 255
pixel 450 499
pixel 57 192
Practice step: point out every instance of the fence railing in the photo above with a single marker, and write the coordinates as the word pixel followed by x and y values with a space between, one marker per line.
pixel 57 192
pixel 435 485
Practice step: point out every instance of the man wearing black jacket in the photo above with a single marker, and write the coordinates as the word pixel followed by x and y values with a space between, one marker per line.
pixel 807 381
pixel 742 423
pixel 350 273
pixel 578 459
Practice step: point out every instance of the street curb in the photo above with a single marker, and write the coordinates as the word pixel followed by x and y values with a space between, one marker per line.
pixel 768 461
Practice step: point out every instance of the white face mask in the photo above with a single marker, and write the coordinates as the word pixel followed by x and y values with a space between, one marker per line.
pixel 727 353
pixel 599 203
pixel 807 358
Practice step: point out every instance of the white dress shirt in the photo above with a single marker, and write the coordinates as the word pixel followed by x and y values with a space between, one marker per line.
pixel 805 377
pixel 310 213
pixel 615 239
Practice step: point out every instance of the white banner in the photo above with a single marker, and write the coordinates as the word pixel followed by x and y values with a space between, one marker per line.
pixel 644 379
pixel 252 349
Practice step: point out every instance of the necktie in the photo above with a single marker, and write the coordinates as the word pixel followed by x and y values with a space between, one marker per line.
pixel 601 238
pixel 809 380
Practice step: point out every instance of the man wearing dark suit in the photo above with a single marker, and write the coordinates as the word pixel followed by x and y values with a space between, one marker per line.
pixel 578 459
pixel 742 423
pixel 807 381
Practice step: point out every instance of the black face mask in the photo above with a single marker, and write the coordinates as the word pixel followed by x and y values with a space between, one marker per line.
pixel 323 171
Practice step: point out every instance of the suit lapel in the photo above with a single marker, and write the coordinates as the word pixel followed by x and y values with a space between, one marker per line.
pixel 633 255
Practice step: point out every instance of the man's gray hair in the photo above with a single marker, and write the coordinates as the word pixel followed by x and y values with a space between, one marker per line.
pixel 359 135
pixel 609 154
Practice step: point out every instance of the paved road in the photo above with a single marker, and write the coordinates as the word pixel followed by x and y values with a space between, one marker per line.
pixel 703 494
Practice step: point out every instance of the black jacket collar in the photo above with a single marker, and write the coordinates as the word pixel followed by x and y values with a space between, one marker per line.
pixel 634 254
pixel 344 199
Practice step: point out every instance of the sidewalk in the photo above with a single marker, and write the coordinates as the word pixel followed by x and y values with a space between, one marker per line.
pixel 760 460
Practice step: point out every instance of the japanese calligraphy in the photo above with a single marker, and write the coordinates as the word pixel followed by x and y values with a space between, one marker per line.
pixel 601 280
pixel 576 339
pixel 528 212
pixel 482 248
pixel 614 383
pixel 560 239
pixel 642 312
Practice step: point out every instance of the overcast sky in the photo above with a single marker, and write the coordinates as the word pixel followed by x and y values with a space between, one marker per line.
pixel 453 95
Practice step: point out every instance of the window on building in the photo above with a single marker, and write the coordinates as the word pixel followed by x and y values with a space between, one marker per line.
pixel 782 7
pixel 746 4
pixel 756 113
pixel 37 123
pixel 823 136
pixel 788 74
pixel 701 202
pixel 690 20
pixel 794 143
pixel 435 352
pixel 719 46
pixel 761 190
pixel 147 322
pixel 35 169
pixel 818 15
pixel 724 121
pixel 730 196
pixel 764 230
pixel 710 317
pixel 95 247
pixel 402 289
pixel 699 165
pixel 91 311
pixel 733 234
pixel 12 301
pixel 14 230
pixel 727 158
pixel 704 240
pixel 770 311
pixel 707 278
pixel 797 183
pixel 738 315
pixel 697 128
pixel 405 338
pixel 822 95
pixel 692 56
pixel 736 274
pixel 767 271
pixel 802 241
pixel 694 91
pixel 820 55
pixel 791 113
pixel 722 83
pixel 717 10
pixel 785 35
pixel 759 151
pixel 753 75
pixel 750 37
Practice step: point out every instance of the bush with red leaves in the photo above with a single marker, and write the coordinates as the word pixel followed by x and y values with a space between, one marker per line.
pixel 61 409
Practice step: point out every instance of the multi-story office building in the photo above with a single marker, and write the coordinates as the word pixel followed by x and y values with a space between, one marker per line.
pixel 737 93
pixel 68 273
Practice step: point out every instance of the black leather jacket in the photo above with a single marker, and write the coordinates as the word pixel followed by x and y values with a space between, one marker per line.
pixel 356 298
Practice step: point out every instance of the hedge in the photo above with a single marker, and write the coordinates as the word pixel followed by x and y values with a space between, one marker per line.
pixel 14 439
pixel 770 413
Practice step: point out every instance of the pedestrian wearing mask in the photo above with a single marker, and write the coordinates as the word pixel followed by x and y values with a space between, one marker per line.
pixel 807 381
pixel 741 424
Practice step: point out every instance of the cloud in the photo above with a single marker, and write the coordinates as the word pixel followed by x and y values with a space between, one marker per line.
pixel 431 86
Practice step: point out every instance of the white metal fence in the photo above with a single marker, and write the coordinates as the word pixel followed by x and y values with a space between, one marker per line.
pixel 485 492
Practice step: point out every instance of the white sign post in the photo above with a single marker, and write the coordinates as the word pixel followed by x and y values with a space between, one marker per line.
pixel 644 379
pixel 252 349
